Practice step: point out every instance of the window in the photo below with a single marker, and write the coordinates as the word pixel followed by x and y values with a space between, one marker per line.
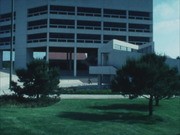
pixel 108 38
pixel 6 29
pixel 40 37
pixel 139 15
pixel 37 24
pixel 86 11
pixel 63 10
pixel 112 13
pixel 110 26
pixel 90 25
pixel 6 17
pixel 62 23
pixel 139 40
pixel 88 38
pixel 139 28
pixel 61 37
pixel 37 11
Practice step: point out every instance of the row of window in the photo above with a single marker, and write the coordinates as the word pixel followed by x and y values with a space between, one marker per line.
pixel 83 38
pixel 6 41
pixel 89 25
pixel 86 11
pixel 6 29
pixel 6 17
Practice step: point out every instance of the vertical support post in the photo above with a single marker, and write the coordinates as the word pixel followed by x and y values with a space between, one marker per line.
pixel 75 61
pixel 75 45
pixel 1 59
pixel 47 53
pixel 127 26
pixel 70 61
pixel 47 46
pixel 12 41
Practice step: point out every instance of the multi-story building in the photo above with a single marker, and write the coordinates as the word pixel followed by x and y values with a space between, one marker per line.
pixel 72 26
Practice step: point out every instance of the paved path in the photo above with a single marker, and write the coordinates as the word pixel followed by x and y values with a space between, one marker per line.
pixel 64 82
pixel 90 96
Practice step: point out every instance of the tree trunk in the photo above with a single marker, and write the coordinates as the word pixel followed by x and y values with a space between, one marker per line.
pixel 37 96
pixel 151 105
pixel 156 101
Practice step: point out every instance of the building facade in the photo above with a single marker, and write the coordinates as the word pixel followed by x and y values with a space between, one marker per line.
pixel 72 26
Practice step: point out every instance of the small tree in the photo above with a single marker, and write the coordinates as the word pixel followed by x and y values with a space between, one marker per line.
pixel 147 76
pixel 38 79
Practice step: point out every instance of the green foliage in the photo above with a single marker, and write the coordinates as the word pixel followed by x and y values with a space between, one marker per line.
pixel 147 76
pixel 38 79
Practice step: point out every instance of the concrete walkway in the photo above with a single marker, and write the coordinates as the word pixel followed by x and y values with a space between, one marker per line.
pixel 90 96
pixel 64 82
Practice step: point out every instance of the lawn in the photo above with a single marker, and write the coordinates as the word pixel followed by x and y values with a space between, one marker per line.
pixel 92 117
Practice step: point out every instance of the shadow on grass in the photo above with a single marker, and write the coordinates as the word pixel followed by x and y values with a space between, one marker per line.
pixel 132 107
pixel 129 118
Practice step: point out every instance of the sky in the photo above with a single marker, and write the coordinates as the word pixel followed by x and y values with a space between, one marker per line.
pixel 166 28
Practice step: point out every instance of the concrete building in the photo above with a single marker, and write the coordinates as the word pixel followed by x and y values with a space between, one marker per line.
pixel 73 26
pixel 114 55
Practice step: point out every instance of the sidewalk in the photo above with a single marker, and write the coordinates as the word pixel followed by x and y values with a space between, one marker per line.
pixel 64 82
pixel 90 96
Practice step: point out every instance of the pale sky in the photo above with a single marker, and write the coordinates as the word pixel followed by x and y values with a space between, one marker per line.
pixel 167 27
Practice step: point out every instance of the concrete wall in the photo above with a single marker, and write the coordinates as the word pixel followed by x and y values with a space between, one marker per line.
pixel 1 58
pixel 21 35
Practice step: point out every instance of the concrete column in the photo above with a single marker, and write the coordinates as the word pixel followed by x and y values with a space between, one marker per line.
pixel 48 22
pixel 21 29
pixel 75 45
pixel 1 59
pixel 47 53
pixel 29 55
pixel 75 61
pixel 102 26
pixel 70 61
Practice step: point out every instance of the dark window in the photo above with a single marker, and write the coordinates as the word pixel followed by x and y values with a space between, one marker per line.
pixel 65 10
pixel 108 38
pixel 40 37
pixel 6 41
pixel 114 13
pixel 37 24
pixel 85 11
pixel 37 11
pixel 114 26
pixel 139 28
pixel 88 38
pixel 6 17
pixel 139 15
pixel 6 28
pixel 142 39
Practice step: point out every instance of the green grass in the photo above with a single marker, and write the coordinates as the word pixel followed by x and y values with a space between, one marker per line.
pixel 92 117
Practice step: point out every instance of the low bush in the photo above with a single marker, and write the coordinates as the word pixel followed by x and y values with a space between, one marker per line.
pixel 74 90
pixel 13 100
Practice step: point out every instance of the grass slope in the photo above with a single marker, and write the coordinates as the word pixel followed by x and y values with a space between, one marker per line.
pixel 92 117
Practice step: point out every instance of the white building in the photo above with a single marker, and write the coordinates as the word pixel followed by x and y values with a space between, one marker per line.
pixel 114 55
pixel 74 26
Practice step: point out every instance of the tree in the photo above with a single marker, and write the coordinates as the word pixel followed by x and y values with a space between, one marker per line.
pixel 38 79
pixel 147 76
